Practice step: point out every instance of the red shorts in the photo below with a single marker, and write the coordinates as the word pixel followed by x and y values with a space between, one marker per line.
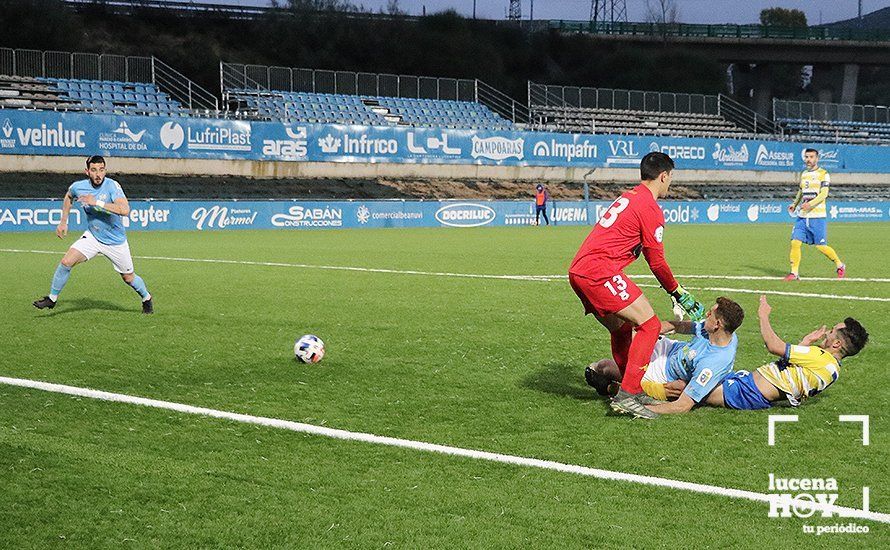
pixel 604 294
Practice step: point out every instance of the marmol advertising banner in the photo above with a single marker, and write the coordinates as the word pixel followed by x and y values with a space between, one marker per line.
pixel 53 133
pixel 44 215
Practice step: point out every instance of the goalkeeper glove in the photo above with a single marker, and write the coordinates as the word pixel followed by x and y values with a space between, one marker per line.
pixel 690 305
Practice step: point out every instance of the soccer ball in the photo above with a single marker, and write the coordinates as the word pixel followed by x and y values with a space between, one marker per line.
pixel 309 349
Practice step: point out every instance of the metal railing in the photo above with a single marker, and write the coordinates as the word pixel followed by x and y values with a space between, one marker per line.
pixel 750 32
pixel 543 98
pixel 632 100
pixel 262 78
pixel 109 67
pixel 747 119
pixel 843 112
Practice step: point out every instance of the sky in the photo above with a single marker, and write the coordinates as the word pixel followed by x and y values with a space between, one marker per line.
pixel 690 11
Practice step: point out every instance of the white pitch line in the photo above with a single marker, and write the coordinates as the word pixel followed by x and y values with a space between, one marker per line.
pixel 538 278
pixel 779 293
pixel 435 448
pixel 315 266
pixel 754 278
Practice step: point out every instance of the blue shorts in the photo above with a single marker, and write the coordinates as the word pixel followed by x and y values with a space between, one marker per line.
pixel 740 392
pixel 810 231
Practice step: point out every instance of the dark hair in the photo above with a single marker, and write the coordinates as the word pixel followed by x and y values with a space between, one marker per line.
pixel 730 313
pixel 95 159
pixel 654 164
pixel 808 150
pixel 854 335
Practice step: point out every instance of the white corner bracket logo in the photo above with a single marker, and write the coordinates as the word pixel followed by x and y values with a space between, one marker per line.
pixel 804 497
pixel 497 148
pixel 172 135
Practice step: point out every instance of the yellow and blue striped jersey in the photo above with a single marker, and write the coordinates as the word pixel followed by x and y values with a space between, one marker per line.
pixel 811 182
pixel 803 372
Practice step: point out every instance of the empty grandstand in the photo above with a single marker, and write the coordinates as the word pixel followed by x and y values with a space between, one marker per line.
pixel 810 121
pixel 128 85
pixel 607 111
pixel 110 84
pixel 312 95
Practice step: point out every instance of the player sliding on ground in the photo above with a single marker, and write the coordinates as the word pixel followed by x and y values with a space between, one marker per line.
pixel 702 363
pixel 803 371
pixel 634 223
pixel 105 206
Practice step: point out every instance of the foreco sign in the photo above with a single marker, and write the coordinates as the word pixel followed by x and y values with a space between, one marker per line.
pixel 465 215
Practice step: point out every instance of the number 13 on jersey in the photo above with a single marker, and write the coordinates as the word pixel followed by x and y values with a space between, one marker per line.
pixel 619 288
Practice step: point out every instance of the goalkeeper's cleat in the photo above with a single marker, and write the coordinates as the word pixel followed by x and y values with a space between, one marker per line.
pixel 148 307
pixel 647 399
pixel 44 303
pixel 690 305
pixel 628 403
pixel 842 271
pixel 791 277
pixel 597 381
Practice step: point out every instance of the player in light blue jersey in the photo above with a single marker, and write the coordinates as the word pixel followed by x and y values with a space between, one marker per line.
pixel 700 364
pixel 105 205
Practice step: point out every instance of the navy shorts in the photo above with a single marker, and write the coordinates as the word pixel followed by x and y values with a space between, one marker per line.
pixel 810 231
pixel 740 392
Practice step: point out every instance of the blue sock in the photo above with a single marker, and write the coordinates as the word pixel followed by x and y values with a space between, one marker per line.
pixel 139 286
pixel 60 277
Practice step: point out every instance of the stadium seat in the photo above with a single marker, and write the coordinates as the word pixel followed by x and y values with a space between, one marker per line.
pixel 368 110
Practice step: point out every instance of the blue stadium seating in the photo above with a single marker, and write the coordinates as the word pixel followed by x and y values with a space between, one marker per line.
pixel 106 96
pixel 837 130
pixel 366 110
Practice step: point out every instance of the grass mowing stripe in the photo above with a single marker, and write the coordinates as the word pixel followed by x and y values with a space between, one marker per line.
pixel 537 278
pixel 435 448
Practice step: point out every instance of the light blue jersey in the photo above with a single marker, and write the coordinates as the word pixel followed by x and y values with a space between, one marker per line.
pixel 108 228
pixel 702 365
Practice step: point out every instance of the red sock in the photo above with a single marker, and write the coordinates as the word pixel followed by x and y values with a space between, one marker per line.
pixel 639 354
pixel 621 339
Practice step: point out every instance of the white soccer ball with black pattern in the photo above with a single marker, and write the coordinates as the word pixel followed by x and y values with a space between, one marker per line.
pixel 309 349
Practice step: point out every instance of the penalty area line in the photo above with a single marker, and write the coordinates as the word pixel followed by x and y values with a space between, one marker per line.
pixel 535 278
pixel 514 460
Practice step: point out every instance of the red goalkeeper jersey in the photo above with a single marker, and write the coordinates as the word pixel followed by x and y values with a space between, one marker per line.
pixel 634 222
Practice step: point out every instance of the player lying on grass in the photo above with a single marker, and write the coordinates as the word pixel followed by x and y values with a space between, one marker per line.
pixel 701 363
pixel 802 371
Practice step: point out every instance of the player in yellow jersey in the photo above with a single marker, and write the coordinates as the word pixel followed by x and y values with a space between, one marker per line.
pixel 811 225
pixel 802 371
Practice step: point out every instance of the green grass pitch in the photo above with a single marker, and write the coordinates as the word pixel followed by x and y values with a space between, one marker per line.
pixel 488 364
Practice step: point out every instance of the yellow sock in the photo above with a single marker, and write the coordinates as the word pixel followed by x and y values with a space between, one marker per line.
pixel 830 254
pixel 795 256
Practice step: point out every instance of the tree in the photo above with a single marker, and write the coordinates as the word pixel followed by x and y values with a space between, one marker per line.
pixel 394 8
pixel 320 5
pixel 782 17
pixel 662 12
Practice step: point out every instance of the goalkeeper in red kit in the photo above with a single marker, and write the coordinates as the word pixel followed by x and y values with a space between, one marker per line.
pixel 633 224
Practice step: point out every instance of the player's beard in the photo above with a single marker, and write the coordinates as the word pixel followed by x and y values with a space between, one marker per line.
pixel 97 185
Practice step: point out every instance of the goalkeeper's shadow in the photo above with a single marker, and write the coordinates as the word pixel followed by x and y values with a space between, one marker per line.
pixel 562 380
